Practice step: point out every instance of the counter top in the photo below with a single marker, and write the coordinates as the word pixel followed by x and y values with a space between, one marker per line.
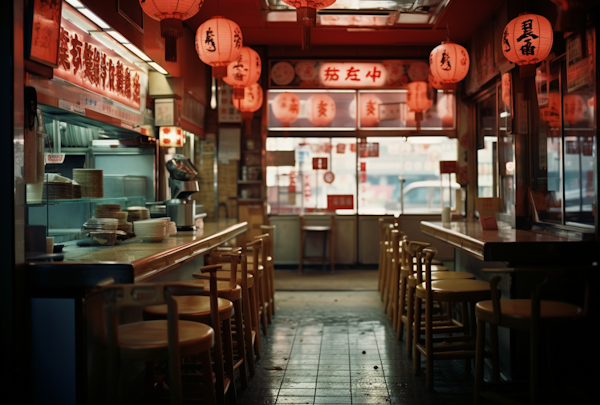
pixel 132 260
pixel 510 245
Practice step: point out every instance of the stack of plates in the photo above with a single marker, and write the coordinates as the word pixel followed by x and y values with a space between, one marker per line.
pixel 172 228
pixel 91 182
pixel 111 211
pixel 152 230
pixel 57 190
pixel 137 213
pixel 76 190
pixel 99 224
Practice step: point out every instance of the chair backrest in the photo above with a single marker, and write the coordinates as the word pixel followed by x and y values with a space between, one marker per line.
pixel 266 240
pixel 424 258
pixel 270 229
pixel 232 256
pixel 414 250
pixel 317 219
pixel 113 298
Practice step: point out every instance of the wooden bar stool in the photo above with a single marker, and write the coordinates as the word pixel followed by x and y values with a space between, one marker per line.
pixel 151 341
pixel 308 226
pixel 270 229
pixel 216 312
pixel 383 246
pixel 521 314
pixel 407 266
pixel 447 325
pixel 451 291
pixel 391 278
pixel 249 298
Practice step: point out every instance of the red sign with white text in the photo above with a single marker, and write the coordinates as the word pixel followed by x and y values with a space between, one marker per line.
pixel 86 62
pixel 320 163
pixel 340 202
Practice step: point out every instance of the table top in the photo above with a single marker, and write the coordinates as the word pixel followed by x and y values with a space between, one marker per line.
pixel 508 244
pixel 134 260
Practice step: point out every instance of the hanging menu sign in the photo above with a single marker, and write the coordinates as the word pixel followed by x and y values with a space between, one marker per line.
pixel 87 63
pixel 346 74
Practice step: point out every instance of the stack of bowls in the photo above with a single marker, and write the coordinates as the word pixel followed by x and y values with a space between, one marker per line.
pixel 114 211
pixel 91 182
pixel 103 231
pixel 137 214
pixel 152 230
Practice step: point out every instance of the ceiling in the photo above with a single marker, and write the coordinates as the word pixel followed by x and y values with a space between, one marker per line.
pixel 402 23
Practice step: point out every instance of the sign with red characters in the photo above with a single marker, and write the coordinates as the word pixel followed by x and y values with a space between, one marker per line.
pixel 320 163
pixel 340 202
pixel 86 62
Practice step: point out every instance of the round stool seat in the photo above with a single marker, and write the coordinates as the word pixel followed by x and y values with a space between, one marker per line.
pixel 139 338
pixel 223 288
pixel 441 275
pixel 456 290
pixel 516 313
pixel 192 308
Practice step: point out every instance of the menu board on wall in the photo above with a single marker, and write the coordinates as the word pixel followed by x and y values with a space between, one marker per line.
pixel 346 74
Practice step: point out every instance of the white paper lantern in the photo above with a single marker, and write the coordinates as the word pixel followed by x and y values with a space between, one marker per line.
pixel 219 41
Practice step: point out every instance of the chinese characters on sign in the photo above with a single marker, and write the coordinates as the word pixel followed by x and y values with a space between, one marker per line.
pixel 340 202
pixel 320 163
pixel 88 64
pixel 353 75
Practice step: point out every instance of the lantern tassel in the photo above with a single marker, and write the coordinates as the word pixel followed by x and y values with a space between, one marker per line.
pixel 307 18
pixel 238 93
pixel 418 118
pixel 171 29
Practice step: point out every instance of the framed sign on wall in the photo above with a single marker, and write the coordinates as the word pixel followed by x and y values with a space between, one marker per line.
pixel 44 31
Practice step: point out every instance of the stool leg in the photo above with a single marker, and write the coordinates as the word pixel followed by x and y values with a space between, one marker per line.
pixel 479 360
pixel 248 333
pixel 241 344
pixel 417 338
pixel 207 373
pixel 410 310
pixel 495 352
pixel 228 344
pixel 428 343
pixel 401 305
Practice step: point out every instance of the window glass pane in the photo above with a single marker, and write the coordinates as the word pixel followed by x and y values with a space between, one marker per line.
pixel 298 188
pixel 416 162
pixel 487 141
pixel 506 164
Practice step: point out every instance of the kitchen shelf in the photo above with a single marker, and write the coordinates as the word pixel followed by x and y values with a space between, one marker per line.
pixel 85 200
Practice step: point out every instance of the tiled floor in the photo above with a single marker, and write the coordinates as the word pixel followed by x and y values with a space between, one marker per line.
pixel 338 348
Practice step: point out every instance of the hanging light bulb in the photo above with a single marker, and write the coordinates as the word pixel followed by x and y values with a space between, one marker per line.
pixel 306 15
pixel 171 15
pixel 218 43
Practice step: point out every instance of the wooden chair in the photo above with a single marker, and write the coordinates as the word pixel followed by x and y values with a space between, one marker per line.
pixel 249 301
pixel 270 229
pixel 309 225
pixel 214 311
pixel 392 248
pixel 151 341
pixel 521 314
pixel 383 246
pixel 406 266
pixel 466 292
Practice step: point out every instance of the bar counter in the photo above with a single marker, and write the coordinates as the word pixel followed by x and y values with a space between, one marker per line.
pixel 132 260
pixel 510 245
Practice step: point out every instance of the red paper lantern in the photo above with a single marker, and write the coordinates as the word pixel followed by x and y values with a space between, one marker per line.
pixel 306 15
pixel 218 43
pixel 449 64
pixel 171 14
pixel 320 110
pixel 527 40
pixel 286 107
pixel 249 104
pixel 243 71
pixel 419 99
pixel 369 110
pixel 434 82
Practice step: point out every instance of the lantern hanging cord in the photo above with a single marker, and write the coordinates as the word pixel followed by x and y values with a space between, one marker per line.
pixel 448 32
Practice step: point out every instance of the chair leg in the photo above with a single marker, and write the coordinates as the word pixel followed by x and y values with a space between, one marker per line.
pixel 417 338
pixel 248 333
pixel 263 303
pixel 228 345
pixel 401 306
pixel 428 343
pixel 495 352
pixel 241 342
pixel 254 306
pixel 479 351
pixel 410 310
pixel 209 384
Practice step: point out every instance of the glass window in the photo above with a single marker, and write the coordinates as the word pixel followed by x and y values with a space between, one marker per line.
pixel 487 143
